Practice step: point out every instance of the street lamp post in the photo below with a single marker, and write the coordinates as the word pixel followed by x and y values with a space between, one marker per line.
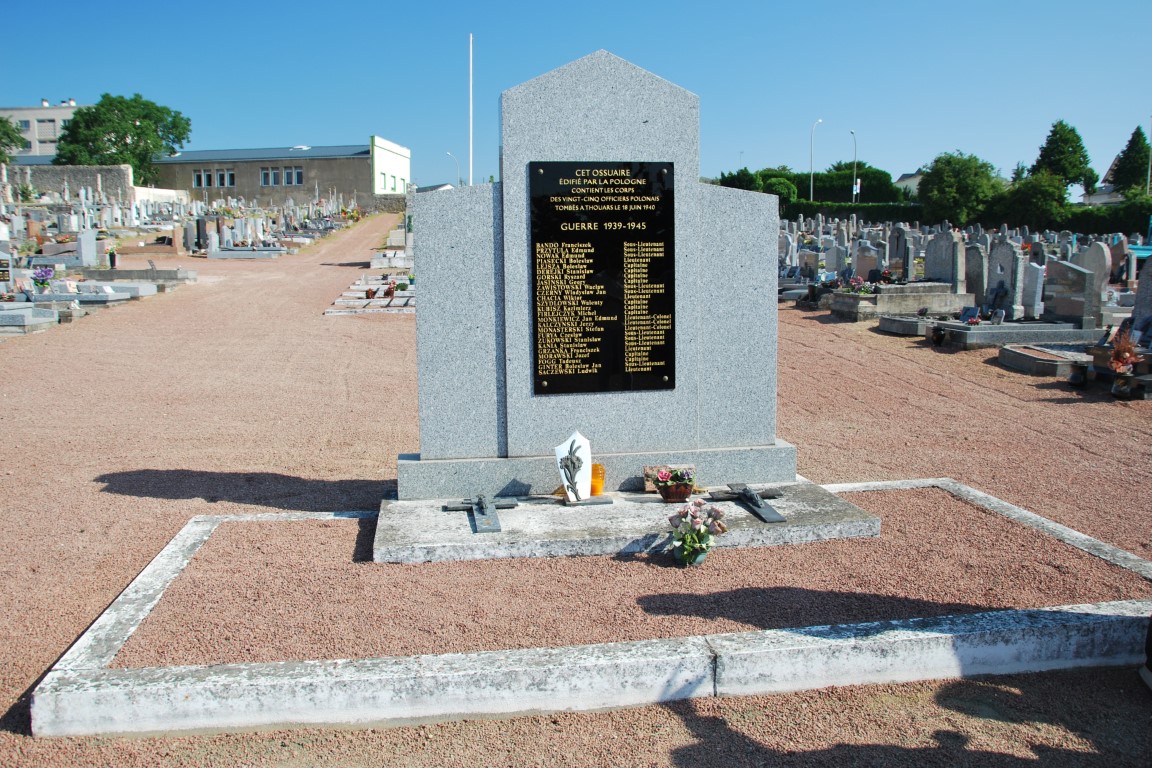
pixel 459 181
pixel 853 166
pixel 811 156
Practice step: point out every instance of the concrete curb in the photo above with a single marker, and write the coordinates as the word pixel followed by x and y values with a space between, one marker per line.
pixel 80 695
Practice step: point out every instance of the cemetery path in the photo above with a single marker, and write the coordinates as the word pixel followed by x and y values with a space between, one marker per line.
pixel 862 405
pixel 236 394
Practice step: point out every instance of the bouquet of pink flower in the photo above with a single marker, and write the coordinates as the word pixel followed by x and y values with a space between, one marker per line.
pixel 695 528
pixel 673 476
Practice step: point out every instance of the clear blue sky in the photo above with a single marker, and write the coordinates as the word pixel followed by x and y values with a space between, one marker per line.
pixel 913 79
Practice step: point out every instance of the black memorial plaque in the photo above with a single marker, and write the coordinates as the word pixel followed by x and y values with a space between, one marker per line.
pixel 603 276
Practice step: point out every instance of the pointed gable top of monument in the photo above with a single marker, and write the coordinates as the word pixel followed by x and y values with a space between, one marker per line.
pixel 600 107
pixel 603 67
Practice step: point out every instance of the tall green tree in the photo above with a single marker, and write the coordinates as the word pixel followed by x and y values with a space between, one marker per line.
pixel 117 130
pixel 10 140
pixel 780 187
pixel 1038 200
pixel 1064 156
pixel 741 179
pixel 1131 170
pixel 956 187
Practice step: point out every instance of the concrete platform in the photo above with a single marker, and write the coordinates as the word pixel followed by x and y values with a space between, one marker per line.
pixel 82 695
pixel 23 318
pixel 542 526
pixel 961 336
pixel 1036 360
pixel 904 325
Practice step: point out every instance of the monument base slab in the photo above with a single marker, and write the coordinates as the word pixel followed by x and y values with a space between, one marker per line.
pixel 542 526
pixel 526 475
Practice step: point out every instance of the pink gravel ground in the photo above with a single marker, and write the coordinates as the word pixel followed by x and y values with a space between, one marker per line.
pixel 237 395
pixel 245 597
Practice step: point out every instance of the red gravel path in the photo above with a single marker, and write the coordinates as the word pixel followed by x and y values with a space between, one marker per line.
pixel 237 395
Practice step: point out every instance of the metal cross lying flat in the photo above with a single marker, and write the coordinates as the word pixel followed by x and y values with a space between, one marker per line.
pixel 483 512
pixel 753 500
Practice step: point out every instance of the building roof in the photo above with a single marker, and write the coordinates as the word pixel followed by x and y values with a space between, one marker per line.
pixel 31 159
pixel 300 152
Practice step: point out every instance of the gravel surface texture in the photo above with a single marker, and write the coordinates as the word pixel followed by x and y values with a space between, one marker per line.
pixel 236 395
pixel 245 596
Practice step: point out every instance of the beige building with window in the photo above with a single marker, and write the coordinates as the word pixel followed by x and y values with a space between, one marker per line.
pixel 40 126
pixel 303 173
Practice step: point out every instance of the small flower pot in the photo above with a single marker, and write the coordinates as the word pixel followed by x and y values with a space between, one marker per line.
pixel 675 493
pixel 695 558
pixel 1122 386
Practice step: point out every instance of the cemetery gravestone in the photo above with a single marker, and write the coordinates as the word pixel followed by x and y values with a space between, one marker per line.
pixel 1097 260
pixel 1068 294
pixel 1033 296
pixel 900 248
pixel 1004 284
pixel 627 354
pixel 1142 308
pixel 975 272
pixel 944 260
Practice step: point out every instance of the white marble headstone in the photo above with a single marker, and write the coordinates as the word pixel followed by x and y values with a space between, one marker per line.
pixel 574 462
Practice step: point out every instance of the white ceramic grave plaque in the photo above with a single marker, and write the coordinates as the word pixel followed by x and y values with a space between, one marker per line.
pixel 574 462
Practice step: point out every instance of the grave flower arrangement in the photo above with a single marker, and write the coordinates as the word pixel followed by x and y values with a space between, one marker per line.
pixel 1124 356
pixel 974 320
pixel 695 527
pixel 674 485
pixel 42 275
pixel 859 285
pixel 673 477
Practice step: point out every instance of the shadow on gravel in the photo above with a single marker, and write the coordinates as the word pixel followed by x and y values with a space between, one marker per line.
pixel 265 489
pixel 356 264
pixel 793 607
pixel 718 743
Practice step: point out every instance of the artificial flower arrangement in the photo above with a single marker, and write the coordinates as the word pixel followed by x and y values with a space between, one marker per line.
pixel 42 275
pixel 858 284
pixel 674 477
pixel 695 527
pixel 1124 356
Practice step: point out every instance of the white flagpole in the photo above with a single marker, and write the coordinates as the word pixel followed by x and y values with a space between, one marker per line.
pixel 469 109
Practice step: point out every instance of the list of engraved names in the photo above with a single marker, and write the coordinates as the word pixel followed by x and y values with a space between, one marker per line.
pixel 603 276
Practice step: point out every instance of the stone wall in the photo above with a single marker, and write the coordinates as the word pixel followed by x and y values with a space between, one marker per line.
pixel 115 180
pixel 385 204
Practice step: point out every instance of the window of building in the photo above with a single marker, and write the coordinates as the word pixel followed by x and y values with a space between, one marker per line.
pixel 24 125
pixel 207 178
pixel 221 179
pixel 230 177
pixel 275 177
pixel 393 183
pixel 27 144
pixel 197 180
pixel 403 185
pixel 293 176
pixel 46 120
pixel 265 177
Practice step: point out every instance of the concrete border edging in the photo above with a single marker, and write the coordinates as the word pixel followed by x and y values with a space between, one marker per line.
pixel 81 695
pixel 999 642
pixel 392 690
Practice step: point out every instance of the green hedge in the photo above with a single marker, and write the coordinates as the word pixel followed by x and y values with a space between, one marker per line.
pixel 875 212
pixel 1126 218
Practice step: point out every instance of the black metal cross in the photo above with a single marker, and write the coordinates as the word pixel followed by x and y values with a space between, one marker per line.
pixel 483 512
pixel 753 500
